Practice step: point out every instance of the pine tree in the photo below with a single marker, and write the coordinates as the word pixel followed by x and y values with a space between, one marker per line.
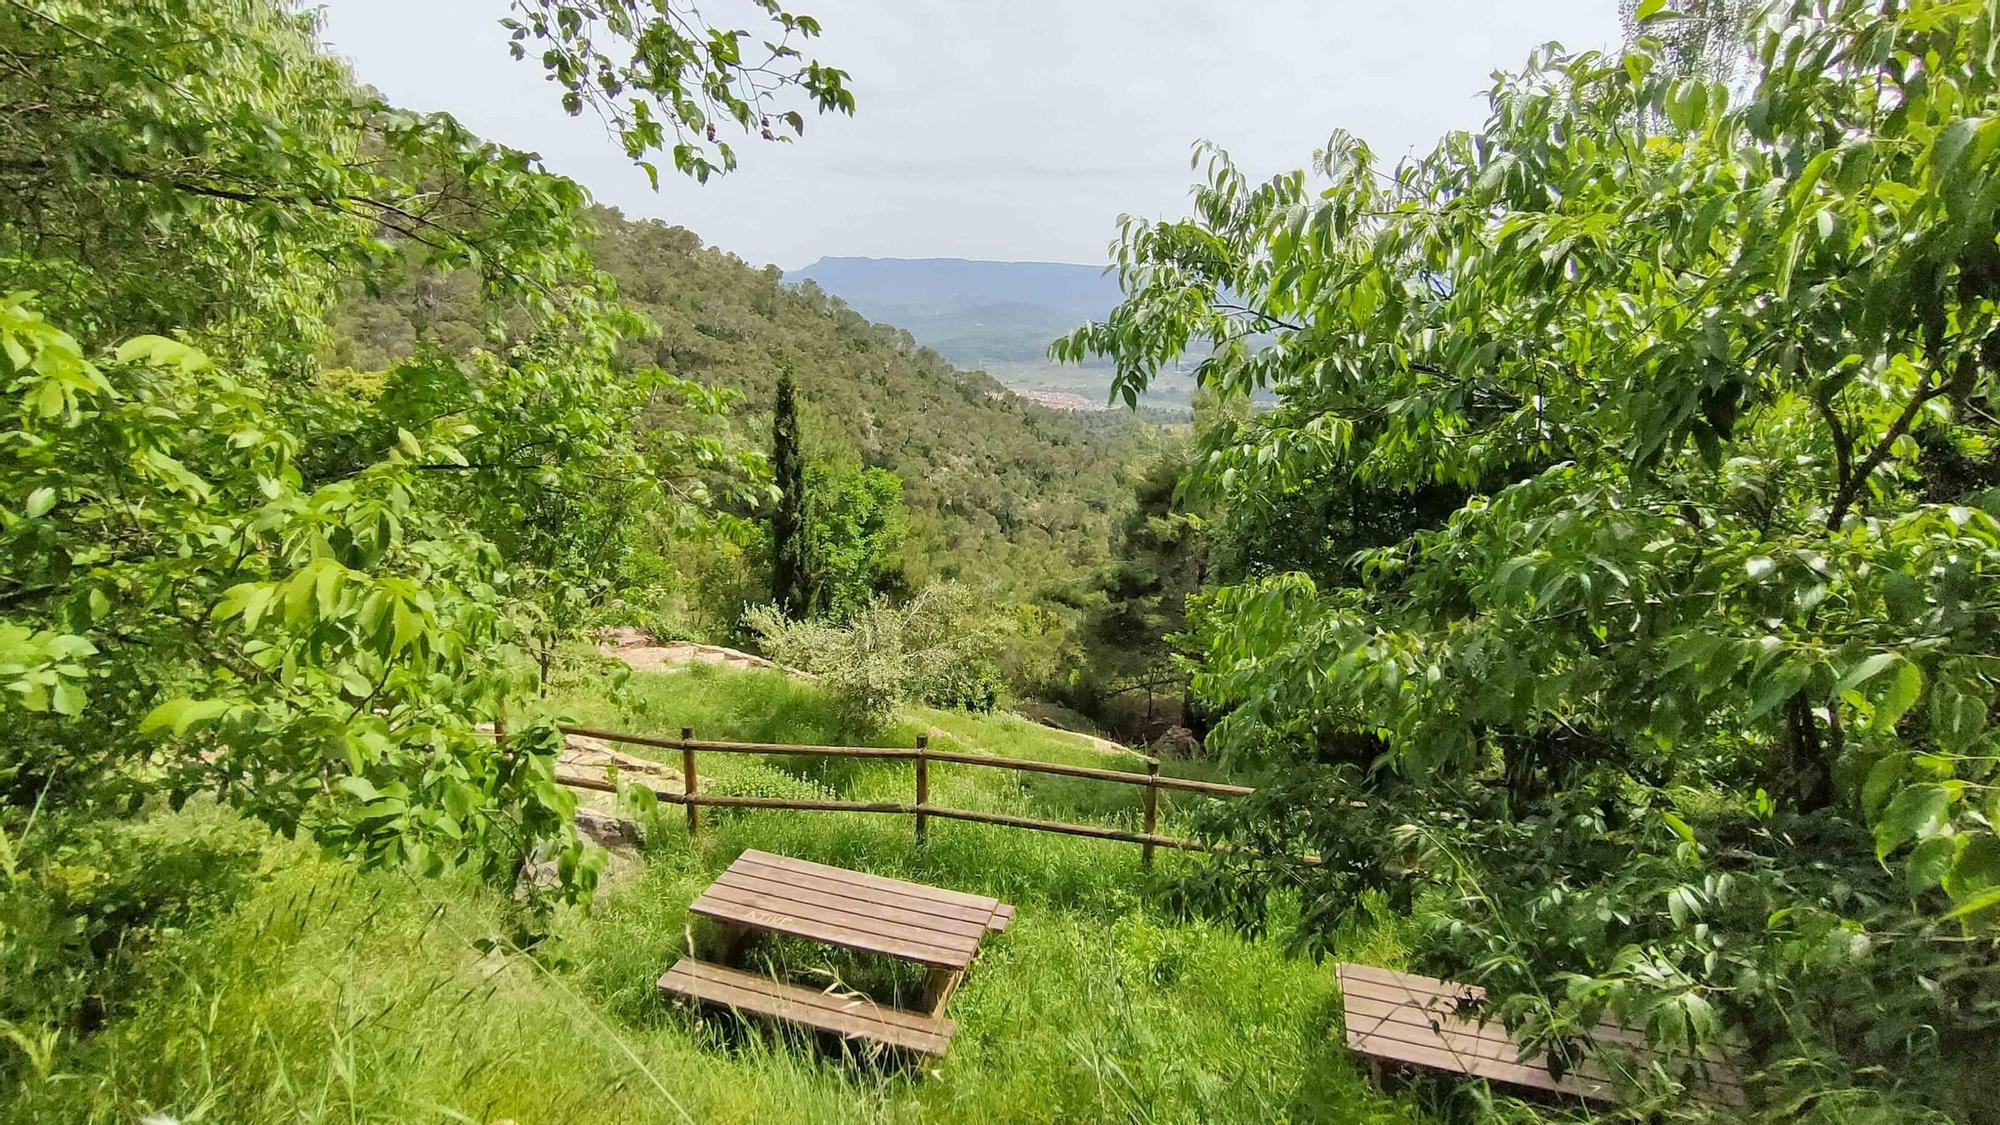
pixel 791 577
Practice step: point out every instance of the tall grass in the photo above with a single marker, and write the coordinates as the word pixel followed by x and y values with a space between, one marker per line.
pixel 330 996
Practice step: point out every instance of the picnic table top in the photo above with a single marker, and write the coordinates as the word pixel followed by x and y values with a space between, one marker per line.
pixel 873 913
pixel 1425 1021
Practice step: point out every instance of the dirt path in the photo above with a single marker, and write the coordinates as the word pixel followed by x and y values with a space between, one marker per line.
pixel 638 650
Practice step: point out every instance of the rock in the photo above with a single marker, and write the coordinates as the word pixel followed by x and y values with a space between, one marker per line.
pixel 1175 742
pixel 612 831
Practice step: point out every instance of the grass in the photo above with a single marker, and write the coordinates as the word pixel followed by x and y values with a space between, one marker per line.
pixel 327 995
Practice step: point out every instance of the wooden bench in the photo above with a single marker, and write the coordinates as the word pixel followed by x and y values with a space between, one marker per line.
pixel 1424 1021
pixel 850 1017
pixel 933 927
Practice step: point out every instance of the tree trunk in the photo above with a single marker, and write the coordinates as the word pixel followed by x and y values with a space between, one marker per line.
pixel 1811 771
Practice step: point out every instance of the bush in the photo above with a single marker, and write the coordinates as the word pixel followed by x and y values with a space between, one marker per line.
pixel 936 648
pixel 81 903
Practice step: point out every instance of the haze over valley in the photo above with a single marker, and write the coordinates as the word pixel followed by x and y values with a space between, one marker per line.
pixel 996 317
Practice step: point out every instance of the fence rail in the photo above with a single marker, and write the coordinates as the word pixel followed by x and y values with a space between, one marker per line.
pixel 921 810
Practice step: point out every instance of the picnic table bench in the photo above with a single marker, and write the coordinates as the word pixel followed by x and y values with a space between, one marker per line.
pixel 1424 1021
pixel 936 928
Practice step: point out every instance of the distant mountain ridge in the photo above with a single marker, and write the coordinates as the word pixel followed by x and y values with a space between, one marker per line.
pixel 974 313
pixel 997 317
pixel 1078 292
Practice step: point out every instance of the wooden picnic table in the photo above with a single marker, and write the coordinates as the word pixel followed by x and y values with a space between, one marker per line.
pixel 1423 1021
pixel 936 928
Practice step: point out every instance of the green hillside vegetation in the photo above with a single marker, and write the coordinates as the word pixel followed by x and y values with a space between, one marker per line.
pixel 1014 499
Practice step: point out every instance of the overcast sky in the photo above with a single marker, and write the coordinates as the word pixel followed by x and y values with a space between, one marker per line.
pixel 1009 129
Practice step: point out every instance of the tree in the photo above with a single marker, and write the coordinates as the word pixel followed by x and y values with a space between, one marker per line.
pixel 855 527
pixel 302 591
pixel 237 572
pixel 792 579
pixel 1697 610
pixel 681 76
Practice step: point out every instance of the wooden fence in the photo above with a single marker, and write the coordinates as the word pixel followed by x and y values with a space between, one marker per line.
pixel 921 808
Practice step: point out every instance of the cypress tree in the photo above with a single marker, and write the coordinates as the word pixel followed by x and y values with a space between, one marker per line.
pixel 791 577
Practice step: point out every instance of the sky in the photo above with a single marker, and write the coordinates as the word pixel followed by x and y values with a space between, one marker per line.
pixel 1016 130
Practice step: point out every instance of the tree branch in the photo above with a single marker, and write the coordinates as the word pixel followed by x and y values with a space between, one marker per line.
pixel 1850 489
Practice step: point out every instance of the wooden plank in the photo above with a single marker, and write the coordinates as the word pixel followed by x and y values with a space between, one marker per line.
pixel 1441 1057
pixel 959 943
pixel 1125 777
pixel 1003 916
pixel 1464 1041
pixel 1382 984
pixel 748 877
pixel 819 999
pixel 846 1016
pixel 786 921
pixel 839 919
pixel 864 879
pixel 1094 831
pixel 1415 1019
pixel 977 913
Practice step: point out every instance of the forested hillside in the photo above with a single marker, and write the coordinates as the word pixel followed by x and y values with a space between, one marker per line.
pixel 1017 500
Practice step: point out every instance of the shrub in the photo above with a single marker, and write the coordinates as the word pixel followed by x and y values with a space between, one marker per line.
pixel 935 648
pixel 81 903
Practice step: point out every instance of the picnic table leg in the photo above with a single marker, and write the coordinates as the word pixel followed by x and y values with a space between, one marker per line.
pixel 731 945
pixel 938 990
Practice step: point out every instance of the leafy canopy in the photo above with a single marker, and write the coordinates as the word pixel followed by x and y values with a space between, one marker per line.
pixel 1713 372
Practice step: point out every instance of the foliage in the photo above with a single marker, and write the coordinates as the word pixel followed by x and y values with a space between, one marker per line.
pixel 1703 364
pixel 682 77
pixel 293 587
pixel 936 648
pixel 855 527
pixel 1705 38
pixel 1012 499
pixel 792 564
pixel 164 545
pixel 79 915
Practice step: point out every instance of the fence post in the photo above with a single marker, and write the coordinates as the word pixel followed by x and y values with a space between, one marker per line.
pixel 923 783
pixel 1152 811
pixel 688 781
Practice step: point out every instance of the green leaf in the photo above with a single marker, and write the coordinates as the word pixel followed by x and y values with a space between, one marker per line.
pixel 159 351
pixel 1888 772
pixel 1679 826
pixel 1866 670
pixel 360 787
pixel 1916 813
pixel 1929 863
pixel 40 501
pixel 1976 871
pixel 182 714
pixel 1903 691
pixel 67 698
pixel 1986 901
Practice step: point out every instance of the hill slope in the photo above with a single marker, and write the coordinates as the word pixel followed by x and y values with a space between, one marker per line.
pixel 1012 497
